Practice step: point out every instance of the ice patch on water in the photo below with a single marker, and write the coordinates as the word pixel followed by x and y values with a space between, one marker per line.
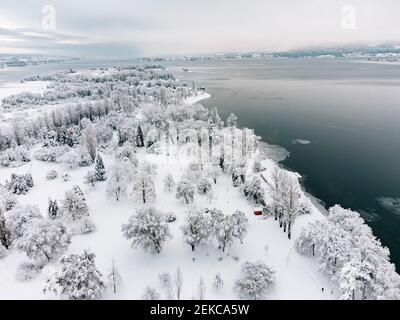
pixel 391 204
pixel 300 141
pixel 274 152
pixel 369 215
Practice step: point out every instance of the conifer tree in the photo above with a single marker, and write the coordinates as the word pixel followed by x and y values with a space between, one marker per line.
pixel 100 171
pixel 53 209
pixel 139 137
pixel 4 232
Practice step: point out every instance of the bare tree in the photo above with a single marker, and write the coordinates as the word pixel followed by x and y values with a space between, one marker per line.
pixel 90 141
pixel 178 283
pixel 166 283
pixel 4 232
pixel 118 181
pixel 114 277
pixel 288 196
pixel 143 189
pixel 277 186
pixel 201 289
pixel 291 203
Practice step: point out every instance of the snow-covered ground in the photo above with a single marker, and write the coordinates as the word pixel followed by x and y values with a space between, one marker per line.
pixel 19 87
pixel 297 277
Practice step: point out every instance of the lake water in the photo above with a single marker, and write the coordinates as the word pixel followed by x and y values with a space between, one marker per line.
pixel 339 120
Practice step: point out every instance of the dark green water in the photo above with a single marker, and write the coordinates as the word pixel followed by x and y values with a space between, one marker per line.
pixel 350 113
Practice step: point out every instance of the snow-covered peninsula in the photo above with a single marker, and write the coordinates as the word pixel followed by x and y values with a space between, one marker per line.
pixel 120 175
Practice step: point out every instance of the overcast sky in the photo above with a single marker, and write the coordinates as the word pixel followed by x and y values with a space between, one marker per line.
pixel 123 28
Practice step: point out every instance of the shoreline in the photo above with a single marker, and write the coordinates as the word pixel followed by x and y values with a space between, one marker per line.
pixel 197 98
pixel 264 234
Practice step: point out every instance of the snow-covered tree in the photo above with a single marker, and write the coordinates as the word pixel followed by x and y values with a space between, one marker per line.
pixel 114 278
pixel 15 156
pixel 27 271
pixel 76 157
pixel 169 182
pixel 354 277
pixel 150 294
pixel 196 228
pixel 201 289
pixel 127 153
pixel 348 251
pixel 152 137
pixel 51 175
pixel 231 121
pixel 386 283
pixel 51 153
pixel 178 280
pixel 257 166
pixel 290 202
pixel 167 284
pixel 185 191
pixel 277 206
pixel 218 282
pixel 213 173
pixel 66 177
pixel 204 186
pixel 305 207
pixel 103 133
pixel 148 168
pixel 254 192
pixel 7 199
pixel 82 226
pixel 143 189
pixel 20 219
pixel 43 241
pixel 52 209
pixel 78 279
pixel 100 170
pixel 5 234
pixel 170 217
pixel 90 178
pixel 312 237
pixel 147 229
pixel 118 180
pixel 3 251
pixel 255 280
pixel 20 183
pixel 90 140
pixel 215 119
pixel 139 137
pixel 74 205
pixel 239 222
pixel 227 228
pixel 238 176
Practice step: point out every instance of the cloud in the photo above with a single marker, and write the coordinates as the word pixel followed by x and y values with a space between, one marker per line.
pixel 181 26
pixel 29 34
pixel 63 44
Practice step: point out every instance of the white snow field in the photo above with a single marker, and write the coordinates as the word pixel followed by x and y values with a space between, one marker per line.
pixel 17 88
pixel 150 131
pixel 297 277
